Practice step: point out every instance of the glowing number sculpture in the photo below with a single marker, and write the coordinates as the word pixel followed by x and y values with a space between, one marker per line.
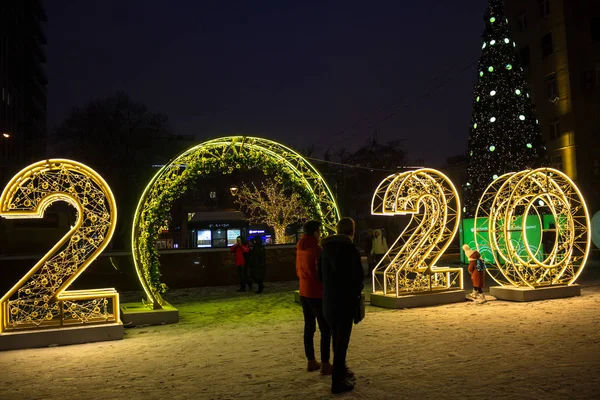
pixel 502 215
pixel 409 265
pixel 40 299
pixel 223 154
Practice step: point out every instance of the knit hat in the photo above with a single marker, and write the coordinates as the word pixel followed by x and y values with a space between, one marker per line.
pixel 468 250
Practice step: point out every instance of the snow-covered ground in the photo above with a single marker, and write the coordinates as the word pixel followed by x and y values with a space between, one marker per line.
pixel 241 345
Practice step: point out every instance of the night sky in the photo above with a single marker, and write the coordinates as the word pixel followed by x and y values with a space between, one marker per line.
pixel 296 72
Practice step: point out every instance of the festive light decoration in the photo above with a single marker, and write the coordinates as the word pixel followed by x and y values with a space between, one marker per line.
pixel 225 154
pixel 409 265
pixel 40 299
pixel 271 205
pixel 508 131
pixel 501 221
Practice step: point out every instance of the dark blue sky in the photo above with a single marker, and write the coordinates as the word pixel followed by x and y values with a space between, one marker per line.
pixel 298 72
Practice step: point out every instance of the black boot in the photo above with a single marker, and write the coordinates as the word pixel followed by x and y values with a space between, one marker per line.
pixel 241 289
pixel 260 288
pixel 345 385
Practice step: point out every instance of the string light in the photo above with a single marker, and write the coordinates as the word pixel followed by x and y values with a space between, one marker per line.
pixel 503 116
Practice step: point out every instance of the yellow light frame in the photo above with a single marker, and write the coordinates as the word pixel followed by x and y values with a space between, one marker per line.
pixel 169 175
pixel 409 264
pixel 518 193
pixel 40 299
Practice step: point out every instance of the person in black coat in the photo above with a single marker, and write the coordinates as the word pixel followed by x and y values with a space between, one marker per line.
pixel 257 263
pixel 341 272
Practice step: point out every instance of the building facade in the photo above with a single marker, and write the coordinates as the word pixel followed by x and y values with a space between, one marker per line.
pixel 559 47
pixel 22 85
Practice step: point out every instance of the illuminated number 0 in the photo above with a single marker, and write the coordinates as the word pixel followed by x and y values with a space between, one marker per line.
pixel 39 299
pixel 503 213
pixel 409 265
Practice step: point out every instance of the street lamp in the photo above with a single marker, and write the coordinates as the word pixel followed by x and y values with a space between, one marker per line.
pixel 233 189
pixel 6 134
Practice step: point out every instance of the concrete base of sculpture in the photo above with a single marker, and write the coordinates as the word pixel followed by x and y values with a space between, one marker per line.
pixel 138 314
pixel 61 336
pixel 414 300
pixel 511 293
pixel 297 296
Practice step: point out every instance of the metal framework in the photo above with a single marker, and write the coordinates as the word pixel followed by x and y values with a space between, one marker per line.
pixel 409 265
pixel 501 216
pixel 220 154
pixel 40 299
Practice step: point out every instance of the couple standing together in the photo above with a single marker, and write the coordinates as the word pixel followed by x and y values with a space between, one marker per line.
pixel 331 283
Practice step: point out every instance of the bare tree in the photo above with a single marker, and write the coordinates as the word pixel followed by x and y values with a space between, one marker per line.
pixel 120 139
pixel 272 205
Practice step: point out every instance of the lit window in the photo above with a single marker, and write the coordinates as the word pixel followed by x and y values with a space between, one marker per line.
pixel 213 195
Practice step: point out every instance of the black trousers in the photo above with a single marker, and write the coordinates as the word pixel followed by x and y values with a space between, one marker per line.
pixel 242 274
pixel 341 331
pixel 313 310
pixel 377 258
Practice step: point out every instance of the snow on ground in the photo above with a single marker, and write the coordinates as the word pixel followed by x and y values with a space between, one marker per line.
pixel 245 346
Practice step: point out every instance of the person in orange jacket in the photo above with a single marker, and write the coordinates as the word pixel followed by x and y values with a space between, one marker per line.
pixel 477 277
pixel 311 297
pixel 238 249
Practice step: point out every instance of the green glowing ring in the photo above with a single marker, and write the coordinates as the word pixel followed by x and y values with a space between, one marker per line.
pixel 225 154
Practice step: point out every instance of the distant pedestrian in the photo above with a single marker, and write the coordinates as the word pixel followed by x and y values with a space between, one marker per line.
pixel 341 272
pixel 239 249
pixel 477 277
pixel 379 247
pixel 258 263
pixel 311 297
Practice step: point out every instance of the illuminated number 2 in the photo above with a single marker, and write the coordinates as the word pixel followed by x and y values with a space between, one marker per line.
pixel 409 265
pixel 39 299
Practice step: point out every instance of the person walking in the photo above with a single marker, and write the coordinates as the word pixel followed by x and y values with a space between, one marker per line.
pixel 341 272
pixel 238 250
pixel 258 263
pixel 477 276
pixel 380 246
pixel 311 297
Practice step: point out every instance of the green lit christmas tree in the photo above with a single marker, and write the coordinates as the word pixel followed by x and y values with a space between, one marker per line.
pixel 504 133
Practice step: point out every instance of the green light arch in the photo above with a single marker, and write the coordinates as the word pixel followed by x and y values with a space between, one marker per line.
pixel 224 154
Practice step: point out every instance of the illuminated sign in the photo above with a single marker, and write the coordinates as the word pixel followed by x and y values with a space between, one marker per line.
pixel 409 264
pixel 546 198
pixel 40 299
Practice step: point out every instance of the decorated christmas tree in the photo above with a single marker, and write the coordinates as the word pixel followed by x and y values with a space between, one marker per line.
pixel 504 133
